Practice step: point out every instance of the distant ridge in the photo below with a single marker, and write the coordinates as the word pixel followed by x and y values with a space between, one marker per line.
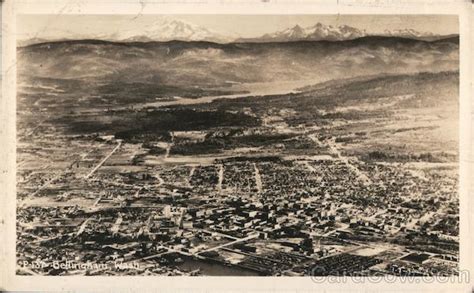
pixel 167 29
pixel 209 64
pixel 320 32
pixel 448 38
pixel 316 32
pixel 162 30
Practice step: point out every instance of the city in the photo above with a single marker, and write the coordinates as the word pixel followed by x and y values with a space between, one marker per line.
pixel 351 176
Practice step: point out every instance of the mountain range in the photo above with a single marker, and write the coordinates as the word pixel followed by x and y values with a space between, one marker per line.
pixel 168 29
pixel 209 64
pixel 317 32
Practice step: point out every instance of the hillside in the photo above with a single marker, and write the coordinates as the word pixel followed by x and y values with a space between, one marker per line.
pixel 210 64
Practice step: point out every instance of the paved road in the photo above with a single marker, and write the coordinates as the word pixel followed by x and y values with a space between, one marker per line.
pixel 258 178
pixel 221 177
pixel 217 233
pixel 161 181
pixel 362 176
pixel 104 160
pixel 191 173
pixel 170 145
pixel 253 236
pixel 116 227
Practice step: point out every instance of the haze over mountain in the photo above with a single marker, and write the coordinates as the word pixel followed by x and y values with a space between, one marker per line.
pixel 164 29
pixel 413 34
pixel 320 32
pixel 316 32
pixel 171 30
pixel 168 29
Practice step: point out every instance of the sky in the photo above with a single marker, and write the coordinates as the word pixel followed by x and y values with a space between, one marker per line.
pixel 242 25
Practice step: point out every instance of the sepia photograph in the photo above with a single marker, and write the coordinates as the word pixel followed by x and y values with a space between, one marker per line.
pixel 237 145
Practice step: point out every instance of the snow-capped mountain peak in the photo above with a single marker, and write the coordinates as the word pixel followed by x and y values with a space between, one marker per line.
pixel 168 29
pixel 409 33
pixel 171 29
pixel 318 31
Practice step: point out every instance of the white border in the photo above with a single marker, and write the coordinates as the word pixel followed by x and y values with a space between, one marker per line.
pixel 210 284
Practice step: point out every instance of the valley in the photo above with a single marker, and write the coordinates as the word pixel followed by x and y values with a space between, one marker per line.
pixel 265 159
